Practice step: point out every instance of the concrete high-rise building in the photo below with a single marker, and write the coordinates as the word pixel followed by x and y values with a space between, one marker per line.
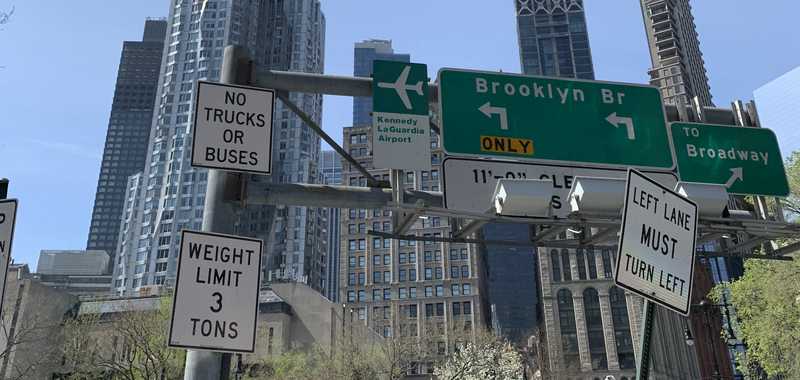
pixel 779 109
pixel 678 67
pixel 128 132
pixel 169 195
pixel 330 167
pixel 552 38
pixel 364 54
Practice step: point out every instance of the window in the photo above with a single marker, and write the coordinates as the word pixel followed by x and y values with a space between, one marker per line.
pixel 412 292
pixel 362 295
pixel 466 307
pixel 387 277
pixel 455 289
pixel 454 271
pixel 428 291
pixel 402 293
pixel 590 259
pixel 594 329
pixel 351 279
pixel 351 261
pixel 428 256
pixel 466 289
pixel 376 260
pixel 569 332
pixel 412 275
pixel 362 277
pixel 387 294
pixel 429 273
pixel 412 257
pixel 622 332
pixel 429 310
pixel 456 306
pixel 387 260
pixel 439 291
pixel 376 242
pixel 440 309
pixel 565 265
pixel 376 277
pixel 606 256
pixel 403 258
pixel 401 275
pixel 465 271
pixel 362 261
pixel 376 295
pixel 454 254
pixel 351 296
pixel 581 261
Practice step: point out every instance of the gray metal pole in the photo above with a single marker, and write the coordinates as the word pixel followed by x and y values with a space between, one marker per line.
pixel 219 216
pixel 643 366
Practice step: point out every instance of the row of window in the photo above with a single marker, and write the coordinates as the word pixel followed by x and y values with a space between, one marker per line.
pixel 585 262
pixel 409 293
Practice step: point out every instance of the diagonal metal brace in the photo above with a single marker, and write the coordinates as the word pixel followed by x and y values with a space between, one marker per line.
pixel 549 233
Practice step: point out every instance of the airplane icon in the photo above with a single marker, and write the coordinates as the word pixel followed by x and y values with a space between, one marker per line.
pixel 402 88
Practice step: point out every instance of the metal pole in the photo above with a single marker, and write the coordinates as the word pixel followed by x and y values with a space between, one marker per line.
pixel 643 366
pixel 219 215
pixel 3 188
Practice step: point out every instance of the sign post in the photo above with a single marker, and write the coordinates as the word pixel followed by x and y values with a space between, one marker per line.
pixel 657 243
pixel 233 128
pixel 561 120
pixel 215 305
pixel 8 214
pixel 401 124
pixel 469 183
pixel 745 160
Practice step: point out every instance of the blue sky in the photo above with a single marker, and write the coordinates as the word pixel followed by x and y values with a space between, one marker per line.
pixel 58 63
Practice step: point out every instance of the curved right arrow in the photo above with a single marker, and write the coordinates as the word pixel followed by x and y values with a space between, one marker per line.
pixel 736 174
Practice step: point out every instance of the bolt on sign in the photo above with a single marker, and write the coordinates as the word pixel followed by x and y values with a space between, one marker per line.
pixel 215 305
pixel 8 214
pixel 745 160
pixel 657 243
pixel 552 119
pixel 233 128
pixel 401 124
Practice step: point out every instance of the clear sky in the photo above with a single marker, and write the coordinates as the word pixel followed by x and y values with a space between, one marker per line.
pixel 58 63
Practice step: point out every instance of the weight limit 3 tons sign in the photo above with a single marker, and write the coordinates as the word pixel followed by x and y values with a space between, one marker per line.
pixel 215 306
pixel 657 243
pixel 233 128
pixel 8 213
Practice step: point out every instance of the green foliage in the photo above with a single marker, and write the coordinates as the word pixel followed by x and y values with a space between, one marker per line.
pixel 483 361
pixel 767 301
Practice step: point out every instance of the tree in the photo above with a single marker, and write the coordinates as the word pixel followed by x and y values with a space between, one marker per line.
pixel 496 360
pixel 792 166
pixel 126 344
pixel 30 334
pixel 767 302
pixel 5 16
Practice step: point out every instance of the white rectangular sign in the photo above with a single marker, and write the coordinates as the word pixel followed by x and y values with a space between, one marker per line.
pixel 215 306
pixel 8 214
pixel 657 243
pixel 401 141
pixel 470 183
pixel 233 128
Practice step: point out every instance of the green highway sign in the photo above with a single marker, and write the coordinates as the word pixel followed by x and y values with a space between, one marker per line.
pixel 541 118
pixel 400 119
pixel 745 160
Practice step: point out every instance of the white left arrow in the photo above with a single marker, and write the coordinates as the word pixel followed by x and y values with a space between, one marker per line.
pixel 736 174
pixel 488 110
pixel 617 120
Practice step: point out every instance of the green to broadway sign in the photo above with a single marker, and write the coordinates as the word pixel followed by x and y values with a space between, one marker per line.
pixel 745 160
pixel 565 120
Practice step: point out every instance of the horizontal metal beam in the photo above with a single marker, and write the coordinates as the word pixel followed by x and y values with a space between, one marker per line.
pixel 789 249
pixel 310 195
pixel 745 256
pixel 448 239
pixel 470 227
pixel 325 84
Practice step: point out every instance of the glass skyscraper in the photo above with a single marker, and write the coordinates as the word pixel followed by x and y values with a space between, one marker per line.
pixel 128 132
pixel 364 54
pixel 330 167
pixel 779 109
pixel 169 194
pixel 552 38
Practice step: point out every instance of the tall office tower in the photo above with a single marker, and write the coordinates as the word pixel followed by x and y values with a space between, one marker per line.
pixel 128 133
pixel 330 167
pixel 364 54
pixel 169 194
pixel 675 52
pixel 408 288
pixel 779 108
pixel 552 38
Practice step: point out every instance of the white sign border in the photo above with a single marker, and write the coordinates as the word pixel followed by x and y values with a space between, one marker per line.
pixel 194 127
pixel 574 165
pixel 175 295
pixel 10 244
pixel 649 297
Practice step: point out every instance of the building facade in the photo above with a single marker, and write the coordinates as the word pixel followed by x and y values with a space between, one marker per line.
pixel 778 104
pixel 553 40
pixel 678 66
pixel 364 54
pixel 169 195
pixel 330 165
pixel 128 132
pixel 406 288
pixel 68 262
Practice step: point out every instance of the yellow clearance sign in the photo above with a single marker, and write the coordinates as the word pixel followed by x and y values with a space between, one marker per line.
pixel 511 145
